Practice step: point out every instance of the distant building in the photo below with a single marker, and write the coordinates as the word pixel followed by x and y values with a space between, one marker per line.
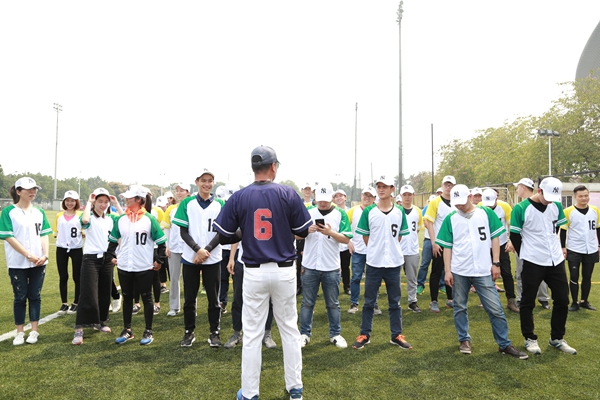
pixel 590 57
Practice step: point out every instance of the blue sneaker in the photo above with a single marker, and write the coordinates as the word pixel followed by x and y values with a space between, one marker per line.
pixel 147 338
pixel 240 397
pixel 124 336
pixel 296 394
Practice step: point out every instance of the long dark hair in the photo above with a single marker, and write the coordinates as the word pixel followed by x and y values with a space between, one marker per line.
pixel 14 194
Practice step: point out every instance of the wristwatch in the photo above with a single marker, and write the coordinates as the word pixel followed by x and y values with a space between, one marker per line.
pixel 497 263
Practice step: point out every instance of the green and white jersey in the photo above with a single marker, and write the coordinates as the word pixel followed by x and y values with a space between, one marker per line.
pixel 199 222
pixel 68 232
pixel 541 244
pixel 410 243
pixel 383 229
pixel 437 212
pixel 323 252
pixel 97 231
pixel 28 227
pixel 136 250
pixel 470 240
pixel 581 229
pixel 354 215
pixel 503 211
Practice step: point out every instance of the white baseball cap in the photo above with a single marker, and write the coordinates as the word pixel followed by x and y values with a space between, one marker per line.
pixel 552 188
pixel 135 191
pixel 398 198
pixel 220 192
pixel 161 201
pixel 306 185
pixel 432 197
pixel 206 171
pixel 71 194
pixel 369 190
pixel 385 181
pixel 439 189
pixel 407 189
pixel 449 178
pixel 101 192
pixel 168 194
pixel 525 182
pixel 324 192
pixel 476 190
pixel 489 197
pixel 27 183
pixel 230 189
pixel 184 186
pixel 339 191
pixel 459 195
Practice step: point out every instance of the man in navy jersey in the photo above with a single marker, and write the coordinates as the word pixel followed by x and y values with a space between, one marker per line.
pixel 268 215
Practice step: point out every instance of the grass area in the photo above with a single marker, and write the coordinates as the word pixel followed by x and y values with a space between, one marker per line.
pixel 434 369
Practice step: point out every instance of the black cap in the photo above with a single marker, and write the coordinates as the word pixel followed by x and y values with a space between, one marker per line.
pixel 263 155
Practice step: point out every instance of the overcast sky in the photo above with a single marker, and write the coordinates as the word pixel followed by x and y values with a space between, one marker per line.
pixel 153 92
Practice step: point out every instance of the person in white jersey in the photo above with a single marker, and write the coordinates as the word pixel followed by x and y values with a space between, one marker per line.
pixel 579 241
pixel 69 245
pixel 533 233
pixel 467 235
pixel 321 264
pixel 25 229
pixel 410 244
pixel 339 199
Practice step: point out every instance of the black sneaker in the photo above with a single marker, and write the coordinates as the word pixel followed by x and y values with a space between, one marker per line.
pixel 545 304
pixel 163 289
pixel 401 342
pixel 147 338
pixel 414 307
pixel 214 340
pixel 125 335
pixel 361 341
pixel 136 309
pixel 587 306
pixel 188 339
pixel 63 309
pixel 223 307
pixel 72 309
pixel 574 307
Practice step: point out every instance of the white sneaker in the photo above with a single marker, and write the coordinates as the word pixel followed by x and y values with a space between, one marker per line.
pixel 339 341
pixel 171 313
pixel 19 339
pixel 562 345
pixel 33 337
pixel 304 340
pixel 532 346
pixel 116 305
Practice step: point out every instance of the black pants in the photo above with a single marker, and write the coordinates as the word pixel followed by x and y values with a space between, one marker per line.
pixel 345 266
pixel 62 262
pixel 238 302
pixel 156 285
pixel 211 276
pixel 95 282
pixel 437 267
pixel 164 271
pixel 556 278
pixel 138 282
pixel 506 273
pixel 223 294
pixel 586 261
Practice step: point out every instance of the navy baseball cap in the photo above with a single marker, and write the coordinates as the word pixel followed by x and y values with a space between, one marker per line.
pixel 263 155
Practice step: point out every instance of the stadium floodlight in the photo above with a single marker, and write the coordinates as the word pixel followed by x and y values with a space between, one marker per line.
pixel 58 108
pixel 550 133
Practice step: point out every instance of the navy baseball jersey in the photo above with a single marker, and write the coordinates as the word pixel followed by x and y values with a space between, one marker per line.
pixel 268 214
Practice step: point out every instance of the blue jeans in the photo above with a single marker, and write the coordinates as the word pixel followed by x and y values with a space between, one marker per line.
pixel 358 267
pixel 488 295
pixel 330 281
pixel 27 285
pixel 391 277
pixel 426 256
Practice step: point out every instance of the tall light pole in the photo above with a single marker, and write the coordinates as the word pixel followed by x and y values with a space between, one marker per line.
pixel 355 148
pixel 58 109
pixel 549 133
pixel 399 20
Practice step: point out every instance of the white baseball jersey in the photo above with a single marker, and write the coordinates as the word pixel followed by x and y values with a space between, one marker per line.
pixel 470 240
pixel 175 241
pixel 97 231
pixel 581 229
pixel 199 222
pixel 27 227
pixel 503 210
pixel 410 243
pixel 383 229
pixel 68 233
pixel 138 238
pixel 354 215
pixel 540 244
pixel 322 252
pixel 437 212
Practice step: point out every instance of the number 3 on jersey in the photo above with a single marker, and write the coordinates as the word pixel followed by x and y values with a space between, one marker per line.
pixel 263 229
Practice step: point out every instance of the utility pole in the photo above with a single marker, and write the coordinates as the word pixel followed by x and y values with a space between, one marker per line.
pixel 399 20
pixel 58 108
